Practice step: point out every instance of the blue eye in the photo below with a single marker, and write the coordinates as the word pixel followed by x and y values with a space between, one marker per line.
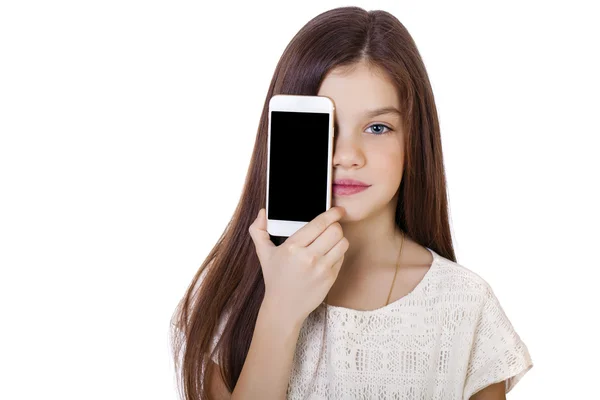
pixel 381 133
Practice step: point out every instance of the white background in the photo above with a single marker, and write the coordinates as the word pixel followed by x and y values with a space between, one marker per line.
pixel 126 131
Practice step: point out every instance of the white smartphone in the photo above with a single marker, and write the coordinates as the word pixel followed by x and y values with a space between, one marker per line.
pixel 300 151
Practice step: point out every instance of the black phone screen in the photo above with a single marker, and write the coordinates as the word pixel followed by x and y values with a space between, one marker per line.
pixel 298 165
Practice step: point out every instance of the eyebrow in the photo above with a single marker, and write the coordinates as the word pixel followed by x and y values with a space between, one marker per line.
pixel 383 110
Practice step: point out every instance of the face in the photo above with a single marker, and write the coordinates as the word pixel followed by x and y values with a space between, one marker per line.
pixel 367 147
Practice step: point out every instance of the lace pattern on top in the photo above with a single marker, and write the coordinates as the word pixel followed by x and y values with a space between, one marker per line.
pixel 446 339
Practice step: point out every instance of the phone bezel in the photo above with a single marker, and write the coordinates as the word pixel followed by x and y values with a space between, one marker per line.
pixel 299 103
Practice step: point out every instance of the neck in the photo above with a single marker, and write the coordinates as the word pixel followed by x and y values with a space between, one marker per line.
pixel 373 241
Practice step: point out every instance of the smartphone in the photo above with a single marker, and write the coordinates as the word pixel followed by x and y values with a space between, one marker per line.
pixel 300 151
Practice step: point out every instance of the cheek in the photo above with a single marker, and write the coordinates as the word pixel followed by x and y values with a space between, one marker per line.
pixel 388 161
pixel 387 169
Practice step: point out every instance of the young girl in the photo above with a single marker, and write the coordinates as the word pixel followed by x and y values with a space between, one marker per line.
pixel 366 301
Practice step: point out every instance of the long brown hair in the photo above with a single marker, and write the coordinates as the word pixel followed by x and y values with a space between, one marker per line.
pixel 233 279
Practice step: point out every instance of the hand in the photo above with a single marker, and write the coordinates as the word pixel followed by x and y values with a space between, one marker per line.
pixel 299 273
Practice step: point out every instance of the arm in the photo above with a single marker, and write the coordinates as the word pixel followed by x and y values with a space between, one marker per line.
pixel 266 371
pixel 492 392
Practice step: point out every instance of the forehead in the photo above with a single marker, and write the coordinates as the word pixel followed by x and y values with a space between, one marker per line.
pixel 359 89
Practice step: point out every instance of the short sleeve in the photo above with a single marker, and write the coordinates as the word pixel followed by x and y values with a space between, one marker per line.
pixel 497 353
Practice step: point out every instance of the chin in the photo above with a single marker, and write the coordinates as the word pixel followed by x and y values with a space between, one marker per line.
pixel 355 212
pixel 364 209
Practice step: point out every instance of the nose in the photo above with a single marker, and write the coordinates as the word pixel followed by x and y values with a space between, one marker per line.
pixel 347 150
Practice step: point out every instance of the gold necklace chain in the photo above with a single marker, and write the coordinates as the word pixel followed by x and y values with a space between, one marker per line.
pixel 395 273
pixel 397 264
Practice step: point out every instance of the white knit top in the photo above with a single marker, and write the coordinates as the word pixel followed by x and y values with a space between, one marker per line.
pixel 447 339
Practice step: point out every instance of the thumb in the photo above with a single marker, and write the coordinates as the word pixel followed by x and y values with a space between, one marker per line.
pixel 260 236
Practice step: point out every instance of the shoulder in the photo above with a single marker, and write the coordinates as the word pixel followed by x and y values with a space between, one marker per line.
pixel 452 277
pixel 457 288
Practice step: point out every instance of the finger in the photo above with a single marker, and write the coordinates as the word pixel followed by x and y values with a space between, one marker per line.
pixel 335 268
pixel 334 258
pixel 309 232
pixel 325 241
pixel 260 236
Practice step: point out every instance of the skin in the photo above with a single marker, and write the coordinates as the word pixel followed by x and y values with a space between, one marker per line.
pixel 492 392
pixel 372 153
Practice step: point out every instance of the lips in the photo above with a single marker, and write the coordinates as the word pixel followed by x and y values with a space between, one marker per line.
pixel 349 182
pixel 345 190
pixel 345 186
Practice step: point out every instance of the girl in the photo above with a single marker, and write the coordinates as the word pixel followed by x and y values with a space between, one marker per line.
pixel 367 300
